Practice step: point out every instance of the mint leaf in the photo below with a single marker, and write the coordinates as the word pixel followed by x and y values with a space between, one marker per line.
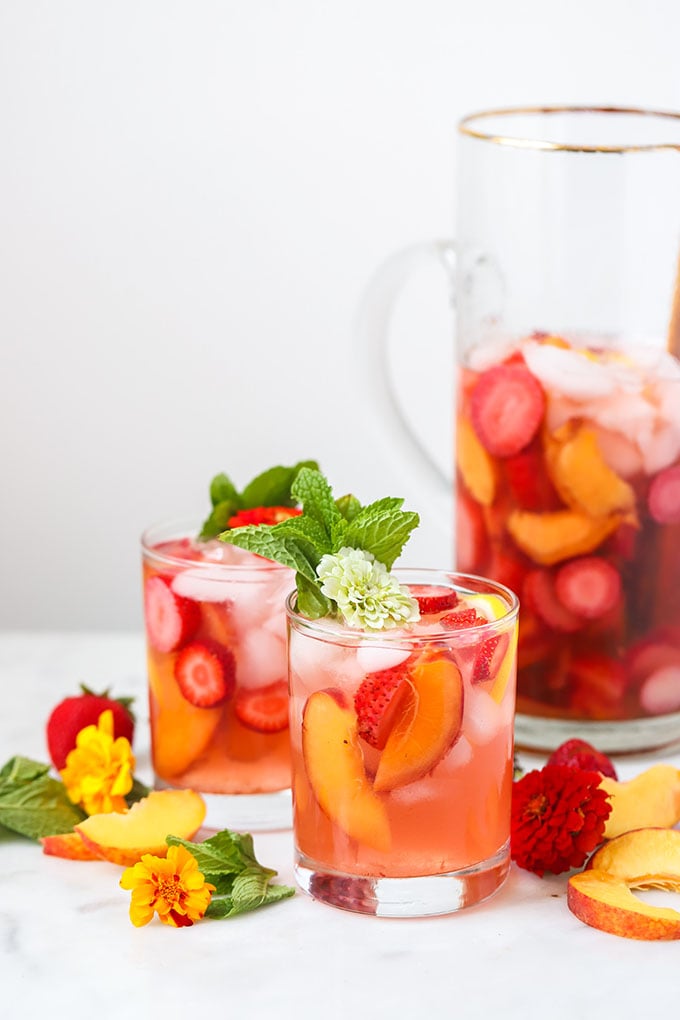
pixel 272 487
pixel 223 490
pixel 225 853
pixel 218 519
pixel 266 541
pixel 382 528
pixel 349 506
pixel 250 890
pixel 311 601
pixel 228 862
pixel 33 804
pixel 310 535
pixel 311 489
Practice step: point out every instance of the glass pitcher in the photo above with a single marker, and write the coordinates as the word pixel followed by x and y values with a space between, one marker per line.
pixel 565 273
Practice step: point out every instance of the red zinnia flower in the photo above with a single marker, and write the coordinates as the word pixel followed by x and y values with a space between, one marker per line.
pixel 263 515
pixel 558 818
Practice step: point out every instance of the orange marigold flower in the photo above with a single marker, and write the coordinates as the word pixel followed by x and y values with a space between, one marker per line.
pixel 263 515
pixel 99 770
pixel 171 886
pixel 558 818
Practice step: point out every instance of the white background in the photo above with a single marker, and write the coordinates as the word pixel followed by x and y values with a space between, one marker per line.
pixel 193 197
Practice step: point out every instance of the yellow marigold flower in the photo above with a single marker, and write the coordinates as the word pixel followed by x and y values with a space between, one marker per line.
pixel 99 770
pixel 171 886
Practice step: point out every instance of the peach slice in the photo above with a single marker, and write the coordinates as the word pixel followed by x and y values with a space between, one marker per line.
pixel 549 538
pixel 650 799
pixel 69 845
pixel 181 732
pixel 475 464
pixel 605 901
pixel 335 769
pixel 650 858
pixel 581 475
pixel 429 728
pixel 123 838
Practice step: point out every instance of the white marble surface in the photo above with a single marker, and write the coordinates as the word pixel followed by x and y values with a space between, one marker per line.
pixel 68 949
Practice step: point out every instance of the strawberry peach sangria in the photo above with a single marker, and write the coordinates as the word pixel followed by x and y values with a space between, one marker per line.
pixel 402 693
pixel 568 491
pixel 216 654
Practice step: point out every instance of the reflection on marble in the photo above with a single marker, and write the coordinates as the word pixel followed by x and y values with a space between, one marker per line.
pixel 68 949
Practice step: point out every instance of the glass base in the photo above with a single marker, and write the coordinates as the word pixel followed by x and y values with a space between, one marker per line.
pixel 419 896
pixel 245 812
pixel 535 733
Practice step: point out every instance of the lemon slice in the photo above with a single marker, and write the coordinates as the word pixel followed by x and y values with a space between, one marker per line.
pixel 493 607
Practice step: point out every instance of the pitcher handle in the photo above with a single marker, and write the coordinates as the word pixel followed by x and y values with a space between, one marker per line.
pixel 372 333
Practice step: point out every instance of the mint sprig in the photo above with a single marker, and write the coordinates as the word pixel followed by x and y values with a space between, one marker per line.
pixel 32 803
pixel 270 488
pixel 326 525
pixel 227 861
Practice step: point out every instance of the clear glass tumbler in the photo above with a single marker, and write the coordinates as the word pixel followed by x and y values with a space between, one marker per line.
pixel 217 668
pixel 402 750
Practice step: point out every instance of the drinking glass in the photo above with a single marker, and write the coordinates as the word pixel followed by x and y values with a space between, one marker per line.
pixel 217 670
pixel 402 751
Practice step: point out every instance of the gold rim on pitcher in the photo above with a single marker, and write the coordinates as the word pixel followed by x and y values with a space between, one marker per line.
pixel 466 127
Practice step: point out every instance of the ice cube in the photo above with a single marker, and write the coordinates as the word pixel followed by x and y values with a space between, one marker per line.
pixel 660 448
pixel 374 658
pixel 203 584
pixel 619 453
pixel 260 659
pixel 567 371
pixel 482 717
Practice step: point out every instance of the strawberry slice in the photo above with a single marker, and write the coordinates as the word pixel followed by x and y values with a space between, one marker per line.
pixel 580 754
pixel 506 408
pixel 379 701
pixel 263 515
pixel 528 482
pixel 471 541
pixel 264 709
pixel 489 657
pixel 663 497
pixel 589 587
pixel 462 618
pixel 597 685
pixel 205 673
pixel 171 620
pixel 433 598
pixel 538 592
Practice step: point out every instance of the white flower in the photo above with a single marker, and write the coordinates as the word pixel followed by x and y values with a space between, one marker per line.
pixel 367 596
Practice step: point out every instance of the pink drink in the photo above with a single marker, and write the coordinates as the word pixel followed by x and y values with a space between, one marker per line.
pixel 218 697
pixel 404 808
pixel 572 498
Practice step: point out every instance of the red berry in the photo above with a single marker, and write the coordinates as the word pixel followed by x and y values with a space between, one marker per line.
pixel 462 618
pixel 171 620
pixel 433 598
pixel 205 673
pixel 528 481
pixel 489 657
pixel 75 713
pixel 506 409
pixel 580 754
pixel 663 497
pixel 379 702
pixel 471 539
pixel 538 592
pixel 263 515
pixel 588 587
pixel 264 709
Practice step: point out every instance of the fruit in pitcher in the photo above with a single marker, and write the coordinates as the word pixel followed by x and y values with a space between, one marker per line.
pixel 650 799
pixel 475 464
pixel 72 714
pixel 123 838
pixel 589 586
pixel 506 408
pixel 581 475
pixel 205 673
pixel 664 496
pixel 335 768
pixel 171 619
pixel 428 728
pixel 264 709
pixel 582 755
pixel 552 537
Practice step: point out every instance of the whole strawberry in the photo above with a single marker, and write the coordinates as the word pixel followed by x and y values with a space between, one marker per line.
pixel 72 714
pixel 582 755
